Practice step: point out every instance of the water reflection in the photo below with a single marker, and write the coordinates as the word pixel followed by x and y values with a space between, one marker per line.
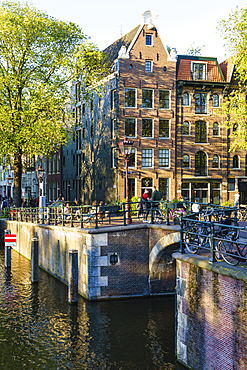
pixel 40 330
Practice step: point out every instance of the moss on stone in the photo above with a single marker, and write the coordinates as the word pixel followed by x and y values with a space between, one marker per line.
pixel 194 280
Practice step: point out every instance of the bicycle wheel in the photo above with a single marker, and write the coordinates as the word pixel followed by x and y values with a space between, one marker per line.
pixel 239 215
pixel 203 236
pixel 158 217
pixel 191 241
pixel 228 247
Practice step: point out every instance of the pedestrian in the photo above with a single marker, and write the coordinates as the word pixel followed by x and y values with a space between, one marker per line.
pixel 146 204
pixel 155 197
pixel 236 199
pixel 139 208
pixel 196 207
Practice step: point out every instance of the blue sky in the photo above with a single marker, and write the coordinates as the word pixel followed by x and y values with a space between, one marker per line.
pixel 180 22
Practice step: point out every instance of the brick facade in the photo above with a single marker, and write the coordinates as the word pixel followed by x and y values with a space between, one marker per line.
pixel 211 315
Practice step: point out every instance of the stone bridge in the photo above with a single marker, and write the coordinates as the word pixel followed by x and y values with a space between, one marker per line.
pixel 114 262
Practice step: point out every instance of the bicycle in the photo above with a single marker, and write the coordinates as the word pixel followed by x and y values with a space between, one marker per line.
pixel 231 252
pixel 242 213
pixel 223 231
pixel 158 216
pixel 197 237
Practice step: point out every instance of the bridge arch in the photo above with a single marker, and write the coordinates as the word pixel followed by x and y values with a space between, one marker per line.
pixel 162 267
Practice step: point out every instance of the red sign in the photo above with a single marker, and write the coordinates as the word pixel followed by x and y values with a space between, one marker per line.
pixel 10 240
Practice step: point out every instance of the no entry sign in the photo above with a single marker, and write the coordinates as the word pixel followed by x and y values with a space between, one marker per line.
pixel 10 240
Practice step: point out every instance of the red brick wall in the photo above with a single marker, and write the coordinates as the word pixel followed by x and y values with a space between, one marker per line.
pixel 212 317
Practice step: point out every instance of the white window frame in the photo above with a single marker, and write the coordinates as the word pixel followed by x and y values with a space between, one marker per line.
pixel 133 150
pixel 152 164
pixel 199 62
pixel 132 88
pixel 186 92
pixel 135 127
pixel 239 163
pixel 149 137
pixel 169 91
pixel 189 134
pixel 216 168
pixel 149 34
pixel 152 99
pixel 113 128
pixel 113 158
pixel 165 138
pixel 168 158
pixel 151 65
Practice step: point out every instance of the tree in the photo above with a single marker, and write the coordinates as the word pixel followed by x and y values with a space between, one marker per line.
pixel 39 56
pixel 194 50
pixel 234 108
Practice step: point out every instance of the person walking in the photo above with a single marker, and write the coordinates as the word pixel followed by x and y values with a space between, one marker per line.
pixel 156 196
pixel 139 208
pixel 146 204
pixel 236 199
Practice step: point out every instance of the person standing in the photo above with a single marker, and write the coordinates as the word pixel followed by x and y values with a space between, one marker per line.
pixel 236 199
pixel 139 208
pixel 146 204
pixel 156 196
pixel 196 207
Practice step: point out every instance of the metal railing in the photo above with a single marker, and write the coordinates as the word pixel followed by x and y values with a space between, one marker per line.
pixel 97 215
pixel 215 232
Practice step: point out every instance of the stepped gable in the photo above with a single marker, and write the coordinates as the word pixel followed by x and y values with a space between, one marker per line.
pixel 184 68
pixel 227 69
pixel 113 50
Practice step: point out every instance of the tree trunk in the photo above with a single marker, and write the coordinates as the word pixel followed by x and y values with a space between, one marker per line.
pixel 17 180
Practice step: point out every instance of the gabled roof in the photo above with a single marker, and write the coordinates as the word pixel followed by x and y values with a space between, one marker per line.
pixel 113 50
pixel 227 68
pixel 184 68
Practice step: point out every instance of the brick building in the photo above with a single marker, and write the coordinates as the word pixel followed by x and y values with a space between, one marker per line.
pixel 169 106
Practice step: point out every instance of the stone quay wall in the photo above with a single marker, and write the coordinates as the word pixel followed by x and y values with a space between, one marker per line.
pixel 113 262
pixel 211 314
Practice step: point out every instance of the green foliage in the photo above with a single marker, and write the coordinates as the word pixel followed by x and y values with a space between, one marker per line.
pixel 132 206
pixel 234 109
pixel 194 50
pixel 227 204
pixel 177 199
pixel 39 56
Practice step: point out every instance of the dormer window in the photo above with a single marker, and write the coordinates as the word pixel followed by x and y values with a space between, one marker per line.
pixel 199 71
pixel 148 66
pixel 149 40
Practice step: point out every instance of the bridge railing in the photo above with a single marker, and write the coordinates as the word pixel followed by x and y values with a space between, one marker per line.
pixel 100 215
pixel 215 230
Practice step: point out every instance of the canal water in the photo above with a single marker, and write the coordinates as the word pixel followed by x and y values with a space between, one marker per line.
pixel 40 330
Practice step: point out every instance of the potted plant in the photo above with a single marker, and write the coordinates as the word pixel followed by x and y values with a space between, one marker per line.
pixel 175 214
pixel 176 202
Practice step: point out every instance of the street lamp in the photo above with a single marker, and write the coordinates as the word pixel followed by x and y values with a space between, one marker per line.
pixel 9 183
pixel 40 174
pixel 125 148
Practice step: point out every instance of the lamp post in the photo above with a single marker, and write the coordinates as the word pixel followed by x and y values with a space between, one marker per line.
pixel 9 183
pixel 40 174
pixel 125 148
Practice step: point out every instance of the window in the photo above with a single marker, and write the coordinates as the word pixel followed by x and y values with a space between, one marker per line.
pixel 92 129
pixel 78 92
pixel 132 187
pixel 200 103
pixel 235 127
pixel 113 259
pixel 130 98
pixel 186 99
pixel 83 109
pixel 164 99
pixel 236 161
pixel 78 167
pixel 216 161
pixel 164 158
pixel 216 130
pixel 132 158
pixel 200 164
pixel 231 184
pixel 113 158
pixel 147 157
pixel 113 99
pixel 164 128
pixel 164 188
pixel 49 167
pixel 149 40
pixel 200 132
pixel 91 105
pixel 186 128
pixel 147 98
pixel 148 66
pixel 58 162
pixel 113 127
pixel 216 101
pixel 186 161
pixel 147 127
pixel 199 71
pixel 54 163
pixel 147 183
pixel 130 127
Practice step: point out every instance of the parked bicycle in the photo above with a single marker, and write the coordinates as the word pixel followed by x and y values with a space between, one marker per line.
pixel 231 251
pixel 242 213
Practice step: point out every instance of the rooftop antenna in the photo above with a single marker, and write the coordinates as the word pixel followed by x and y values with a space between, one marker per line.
pixel 121 30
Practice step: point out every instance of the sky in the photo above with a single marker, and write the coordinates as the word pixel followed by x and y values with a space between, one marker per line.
pixel 180 22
